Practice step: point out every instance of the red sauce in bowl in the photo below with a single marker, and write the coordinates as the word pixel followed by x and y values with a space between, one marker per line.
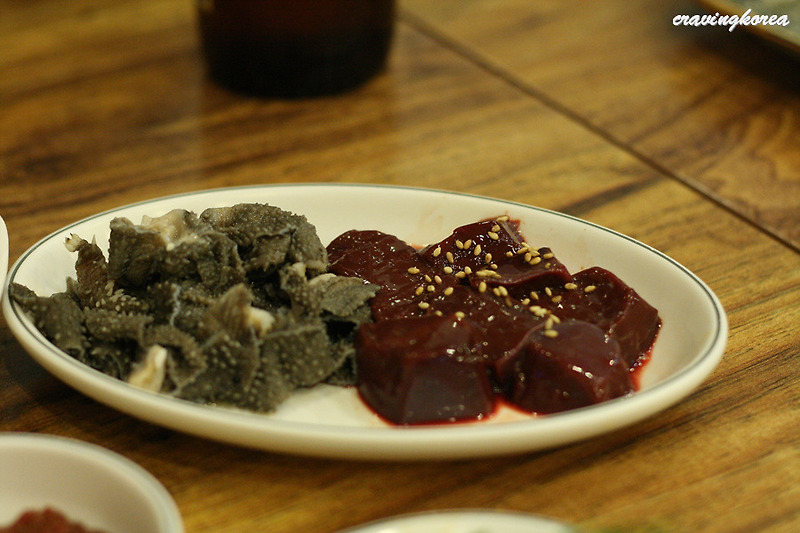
pixel 47 520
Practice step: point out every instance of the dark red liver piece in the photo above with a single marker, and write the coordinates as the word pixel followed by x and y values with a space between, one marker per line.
pixel 422 370
pixel 579 366
pixel 454 329
pixel 394 265
pixel 502 328
pixel 406 282
pixel 493 251
pixel 601 298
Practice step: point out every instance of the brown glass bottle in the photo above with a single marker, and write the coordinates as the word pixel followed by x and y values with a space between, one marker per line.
pixel 295 48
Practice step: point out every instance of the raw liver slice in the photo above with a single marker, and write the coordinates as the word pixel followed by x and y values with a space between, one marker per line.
pixel 580 366
pixel 420 370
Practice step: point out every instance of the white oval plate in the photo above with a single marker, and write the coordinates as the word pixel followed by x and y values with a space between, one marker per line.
pixel 464 521
pixel 332 422
pixel 87 483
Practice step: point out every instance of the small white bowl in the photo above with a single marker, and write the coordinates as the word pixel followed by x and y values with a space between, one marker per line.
pixel 88 484
pixel 464 521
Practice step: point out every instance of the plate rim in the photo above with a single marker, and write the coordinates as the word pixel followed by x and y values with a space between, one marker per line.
pixel 4 251
pixel 686 379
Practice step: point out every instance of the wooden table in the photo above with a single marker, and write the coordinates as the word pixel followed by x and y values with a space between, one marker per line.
pixel 684 138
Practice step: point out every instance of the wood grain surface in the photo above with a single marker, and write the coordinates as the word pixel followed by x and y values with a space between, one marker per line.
pixel 683 138
pixel 714 108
